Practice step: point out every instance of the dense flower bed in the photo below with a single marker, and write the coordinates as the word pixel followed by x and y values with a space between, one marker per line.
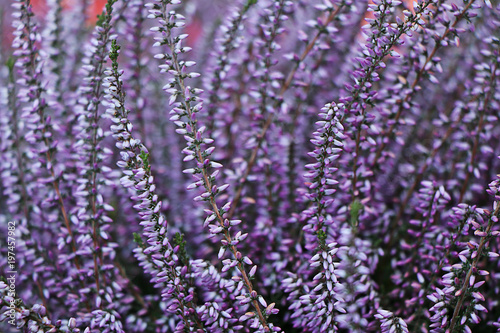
pixel 250 166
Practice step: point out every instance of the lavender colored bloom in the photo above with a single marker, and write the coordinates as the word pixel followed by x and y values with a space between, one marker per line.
pixel 389 323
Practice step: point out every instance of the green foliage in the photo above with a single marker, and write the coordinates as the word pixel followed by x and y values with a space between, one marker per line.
pixel 322 238
pixel 178 240
pixel 355 208
pixel 138 239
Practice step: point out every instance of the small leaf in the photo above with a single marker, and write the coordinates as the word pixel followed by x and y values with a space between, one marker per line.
pixel 138 239
pixel 249 4
pixel 355 208
pixel 10 63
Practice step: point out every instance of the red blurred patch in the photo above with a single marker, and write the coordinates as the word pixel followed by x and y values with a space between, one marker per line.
pixel 194 30
pixel 95 8
pixel 40 10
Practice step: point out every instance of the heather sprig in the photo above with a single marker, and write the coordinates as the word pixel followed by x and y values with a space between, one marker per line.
pixel 278 97
pixel 40 133
pixel 88 155
pixel 477 252
pixel 158 257
pixel 56 48
pixel 43 207
pixel 487 76
pixel 135 80
pixel 424 70
pixel 15 186
pixel 404 103
pixel 225 45
pixel 194 151
pixel 430 200
pixel 382 39
pixel 217 311
pixel 457 303
pixel 318 307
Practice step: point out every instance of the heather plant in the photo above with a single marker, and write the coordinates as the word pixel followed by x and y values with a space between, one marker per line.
pixel 250 166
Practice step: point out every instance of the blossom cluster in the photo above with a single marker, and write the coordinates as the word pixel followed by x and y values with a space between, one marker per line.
pixel 250 166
